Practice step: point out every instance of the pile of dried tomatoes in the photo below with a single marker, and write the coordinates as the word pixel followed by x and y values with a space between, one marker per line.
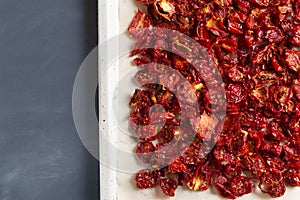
pixel 255 46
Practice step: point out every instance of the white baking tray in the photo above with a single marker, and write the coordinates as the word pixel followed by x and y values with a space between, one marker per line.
pixel 116 84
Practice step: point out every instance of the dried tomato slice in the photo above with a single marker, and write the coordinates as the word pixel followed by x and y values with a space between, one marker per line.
pixel 274 162
pixel 292 150
pixel 274 35
pixel 272 183
pixel 275 131
pixel 145 179
pixel 229 44
pixel 222 185
pixel 253 20
pixel 296 88
pixel 140 21
pixel 200 181
pixel 265 78
pixel 236 22
pixel 168 186
pixel 296 35
pixel 263 56
pixel 235 93
pixel 223 157
pixel 237 73
pixel 193 154
pixel 291 177
pixel 292 58
pixel 260 93
pixel 241 185
pixel 177 166
pixel 143 149
pixel 164 8
pixel 272 148
pixel 255 164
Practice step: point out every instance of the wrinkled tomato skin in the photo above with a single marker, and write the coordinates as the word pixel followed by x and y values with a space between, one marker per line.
pixel 255 164
pixel 200 182
pixel 143 151
pixel 145 179
pixel 292 177
pixel 168 186
pixel 272 183
pixel 140 21
pixel 241 185
pixel 221 184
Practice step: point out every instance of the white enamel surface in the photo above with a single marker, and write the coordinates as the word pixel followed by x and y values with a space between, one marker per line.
pixel 108 78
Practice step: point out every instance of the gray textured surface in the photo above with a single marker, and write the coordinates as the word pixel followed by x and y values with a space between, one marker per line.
pixel 42 44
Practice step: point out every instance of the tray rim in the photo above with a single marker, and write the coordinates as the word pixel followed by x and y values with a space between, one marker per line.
pixel 108 27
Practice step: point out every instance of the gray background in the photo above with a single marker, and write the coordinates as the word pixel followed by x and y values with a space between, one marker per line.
pixel 42 44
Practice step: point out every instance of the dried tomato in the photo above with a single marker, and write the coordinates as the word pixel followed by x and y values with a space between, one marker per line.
pixel 229 44
pixel 177 166
pixel 144 149
pixel 237 73
pixel 193 154
pixel 241 185
pixel 163 156
pixel 294 125
pixel 253 20
pixel 167 133
pixel 254 45
pixel 292 58
pixel 260 93
pixel 222 185
pixel 292 150
pixel 216 26
pixel 296 35
pixel 263 56
pixel 272 183
pixel 283 95
pixel 203 36
pixel 277 64
pixel 141 20
pixel 201 180
pixel 164 8
pixel 223 157
pixel 275 131
pixel 255 164
pixel 291 177
pixel 202 125
pixel 293 163
pixel 168 186
pixel 265 78
pixel 223 3
pixel 235 93
pixel 145 179
pixel 271 147
pixel 236 22
pixel 232 171
pixel 274 162
pixel 147 133
pixel 270 18
pixel 296 88
pixel 274 35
